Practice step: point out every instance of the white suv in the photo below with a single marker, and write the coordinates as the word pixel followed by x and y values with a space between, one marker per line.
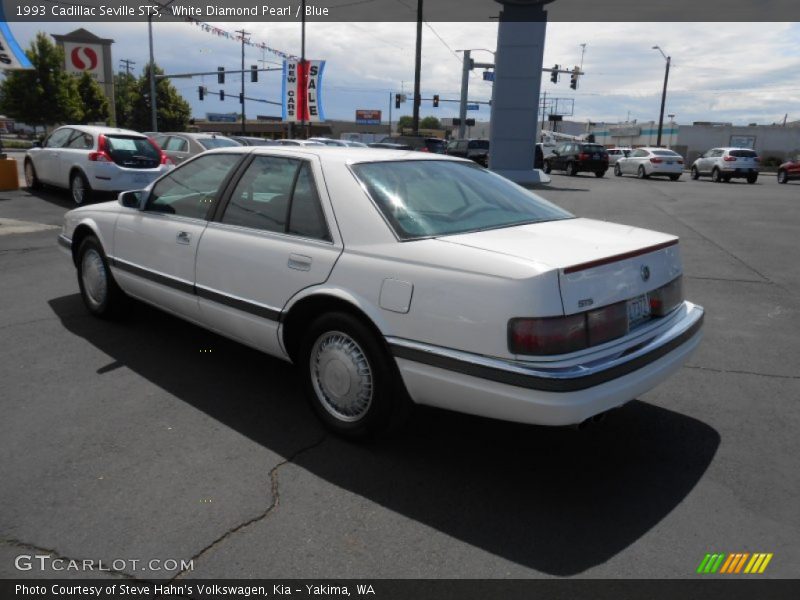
pixel 85 159
pixel 724 164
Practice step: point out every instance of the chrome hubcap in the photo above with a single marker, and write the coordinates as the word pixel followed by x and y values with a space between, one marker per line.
pixel 93 274
pixel 77 190
pixel 342 376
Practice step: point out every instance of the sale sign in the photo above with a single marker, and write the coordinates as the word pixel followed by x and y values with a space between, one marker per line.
pixel 302 91
pixel 80 57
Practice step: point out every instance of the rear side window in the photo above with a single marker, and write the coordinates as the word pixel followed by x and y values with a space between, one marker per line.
pixel 743 153
pixel 217 142
pixel 592 148
pixel 191 189
pixel 479 144
pixel 176 144
pixel 134 152
pixel 81 141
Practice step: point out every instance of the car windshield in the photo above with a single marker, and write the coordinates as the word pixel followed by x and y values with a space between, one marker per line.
pixel 479 144
pixel 665 153
pixel 743 153
pixel 217 142
pixel 426 198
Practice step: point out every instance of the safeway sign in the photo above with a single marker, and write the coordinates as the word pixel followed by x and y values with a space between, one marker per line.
pixel 302 91
pixel 82 57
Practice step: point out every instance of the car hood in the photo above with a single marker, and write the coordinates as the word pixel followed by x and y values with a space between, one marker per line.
pixel 560 244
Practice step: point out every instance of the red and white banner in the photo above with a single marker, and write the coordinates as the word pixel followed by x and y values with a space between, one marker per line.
pixel 302 91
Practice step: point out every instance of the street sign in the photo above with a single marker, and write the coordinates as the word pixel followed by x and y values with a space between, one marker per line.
pixel 368 117
pixel 488 75
pixel 473 106
pixel 222 117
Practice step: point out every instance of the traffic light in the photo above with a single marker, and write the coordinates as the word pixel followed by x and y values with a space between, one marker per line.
pixel 573 80
pixel 253 73
pixel 397 100
pixel 241 98
pixel 554 74
pixel 201 91
pixel 222 94
pixel 436 101
pixel 220 74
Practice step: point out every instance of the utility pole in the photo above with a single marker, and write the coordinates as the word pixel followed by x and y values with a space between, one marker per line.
pixel 544 108
pixel 417 69
pixel 304 74
pixel 462 109
pixel 243 33
pixel 128 65
pixel 391 99
pixel 153 108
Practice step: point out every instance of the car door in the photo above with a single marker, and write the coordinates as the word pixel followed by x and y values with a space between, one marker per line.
pixel 74 153
pixel 272 237
pixel 706 161
pixel 556 160
pixel 793 170
pixel 155 248
pixel 47 161
pixel 177 148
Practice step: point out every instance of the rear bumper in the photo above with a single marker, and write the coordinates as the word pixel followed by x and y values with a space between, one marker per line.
pixel 740 172
pixel 550 394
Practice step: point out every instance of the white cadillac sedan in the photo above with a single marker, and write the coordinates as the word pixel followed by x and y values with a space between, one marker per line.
pixel 391 278
pixel 645 162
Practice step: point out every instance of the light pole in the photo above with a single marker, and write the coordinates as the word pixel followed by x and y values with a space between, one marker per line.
pixel 153 108
pixel 467 65
pixel 663 94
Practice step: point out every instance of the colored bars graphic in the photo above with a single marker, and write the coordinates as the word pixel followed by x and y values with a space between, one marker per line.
pixel 734 563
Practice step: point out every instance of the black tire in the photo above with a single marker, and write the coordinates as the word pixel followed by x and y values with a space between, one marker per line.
pixel 752 178
pixel 599 174
pixel 339 350
pixel 547 167
pixel 716 176
pixel 31 179
pixel 783 176
pixel 617 171
pixel 100 293
pixel 695 174
pixel 79 188
pixel 675 177
pixel 572 169
pixel 641 173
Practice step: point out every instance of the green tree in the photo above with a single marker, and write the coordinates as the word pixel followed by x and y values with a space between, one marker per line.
pixel 405 122
pixel 44 95
pixel 126 96
pixel 93 100
pixel 173 111
pixel 430 123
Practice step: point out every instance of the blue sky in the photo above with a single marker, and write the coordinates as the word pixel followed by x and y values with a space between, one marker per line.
pixel 739 72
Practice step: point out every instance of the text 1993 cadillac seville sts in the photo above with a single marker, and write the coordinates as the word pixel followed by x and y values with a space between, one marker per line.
pixel 387 276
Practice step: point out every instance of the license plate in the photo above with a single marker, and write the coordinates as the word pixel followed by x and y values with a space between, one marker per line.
pixel 670 162
pixel 638 310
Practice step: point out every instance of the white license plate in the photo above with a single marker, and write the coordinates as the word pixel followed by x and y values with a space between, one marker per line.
pixel 638 310
pixel 670 162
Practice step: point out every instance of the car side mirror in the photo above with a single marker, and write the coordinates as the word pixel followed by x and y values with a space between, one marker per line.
pixel 132 199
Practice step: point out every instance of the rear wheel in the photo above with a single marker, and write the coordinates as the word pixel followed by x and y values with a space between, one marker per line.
pixel 599 173
pixel 572 169
pixel 617 171
pixel 716 176
pixel 641 173
pixel 79 188
pixel 752 178
pixel 695 174
pixel 783 176
pixel 31 180
pixel 547 167
pixel 675 177
pixel 101 294
pixel 350 378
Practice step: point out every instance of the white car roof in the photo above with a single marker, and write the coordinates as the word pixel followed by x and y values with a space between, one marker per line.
pixel 348 155
pixel 98 129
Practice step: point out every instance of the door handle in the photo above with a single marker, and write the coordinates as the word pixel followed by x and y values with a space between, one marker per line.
pixel 299 262
pixel 183 237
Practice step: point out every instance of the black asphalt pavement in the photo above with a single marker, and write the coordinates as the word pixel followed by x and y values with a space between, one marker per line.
pixel 150 438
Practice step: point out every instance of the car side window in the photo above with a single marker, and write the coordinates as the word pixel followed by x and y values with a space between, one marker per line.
pixel 639 153
pixel 176 144
pixel 191 189
pixel 58 138
pixel 277 194
pixel 80 140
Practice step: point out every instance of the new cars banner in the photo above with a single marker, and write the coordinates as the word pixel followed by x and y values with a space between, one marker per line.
pixel 302 91
pixel 11 55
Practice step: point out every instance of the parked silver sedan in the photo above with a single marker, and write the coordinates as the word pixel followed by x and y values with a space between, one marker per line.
pixel 645 162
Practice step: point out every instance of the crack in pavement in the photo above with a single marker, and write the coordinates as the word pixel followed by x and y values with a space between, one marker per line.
pixel 273 505
pixel 54 553
pixel 738 372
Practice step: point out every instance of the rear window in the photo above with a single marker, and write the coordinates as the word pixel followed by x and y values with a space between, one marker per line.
pixel 743 153
pixel 479 144
pixel 592 148
pixel 132 152
pixel 665 153
pixel 218 142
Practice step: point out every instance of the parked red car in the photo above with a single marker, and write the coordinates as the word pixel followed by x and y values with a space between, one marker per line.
pixel 789 170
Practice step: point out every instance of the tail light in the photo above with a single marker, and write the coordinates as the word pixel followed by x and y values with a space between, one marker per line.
pixel 583 156
pixel 424 149
pixel 562 335
pixel 656 161
pixel 165 160
pixel 680 161
pixel 666 298
pixel 729 158
pixel 102 151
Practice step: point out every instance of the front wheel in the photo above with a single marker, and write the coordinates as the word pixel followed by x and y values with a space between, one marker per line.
pixel 617 171
pixel 695 173
pixel 641 173
pixel 31 179
pixel 716 176
pixel 101 294
pixel 783 176
pixel 547 167
pixel 572 169
pixel 79 188
pixel 350 378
